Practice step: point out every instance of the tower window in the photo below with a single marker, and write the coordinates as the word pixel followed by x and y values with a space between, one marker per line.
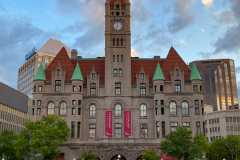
pixel 121 41
pixel 117 42
pixel 122 13
pixel 113 58
pixel 121 58
pixel 113 41
pixel 117 13
pixel 117 58
pixel 117 6
pixel 112 13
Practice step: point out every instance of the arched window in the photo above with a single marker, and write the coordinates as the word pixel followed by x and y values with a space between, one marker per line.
pixel 117 41
pixel 118 110
pixel 63 109
pixel 121 41
pixel 92 110
pixel 143 110
pixel 184 108
pixel 173 108
pixel 50 108
pixel 113 41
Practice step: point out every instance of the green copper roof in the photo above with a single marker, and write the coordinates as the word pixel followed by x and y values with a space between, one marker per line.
pixel 77 74
pixel 194 73
pixel 40 75
pixel 189 67
pixel 158 73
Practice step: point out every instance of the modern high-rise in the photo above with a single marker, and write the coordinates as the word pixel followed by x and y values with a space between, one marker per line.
pixel 15 109
pixel 118 104
pixel 33 59
pixel 219 83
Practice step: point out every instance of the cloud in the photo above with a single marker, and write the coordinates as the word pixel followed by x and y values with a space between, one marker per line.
pixel 237 71
pixel 134 53
pixel 235 8
pixel 183 41
pixel 224 17
pixel 202 30
pixel 207 3
pixel 184 16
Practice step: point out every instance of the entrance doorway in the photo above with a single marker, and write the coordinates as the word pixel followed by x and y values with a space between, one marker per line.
pixel 116 158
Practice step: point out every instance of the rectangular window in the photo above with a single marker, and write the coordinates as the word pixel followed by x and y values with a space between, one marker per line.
pixel 186 124
pixel 79 111
pixel 39 102
pixel 38 111
pixel 200 88
pixel 93 91
pixel 163 128
pixel 201 102
pixel 142 75
pixel 156 110
pixel 210 130
pixel 117 58
pixel 80 88
pixel 57 88
pixel 79 102
pixel 142 91
pixel 118 130
pixel 177 88
pixel 205 122
pixel 93 76
pixel 142 84
pixel 217 120
pixel 157 129
pixel 73 102
pixel 78 130
pixel 121 58
pixel 34 89
pixel 32 111
pixel 174 126
pixel 74 89
pixel 202 111
pixel 93 85
pixel 198 127
pixel 115 73
pixel 162 111
pixel 230 119
pixel 162 102
pixel 118 91
pixel 206 130
pixel 113 58
pixel 234 119
pixel 210 121
pixel 92 130
pixel 197 111
pixel 73 129
pixel 155 88
pixel 143 130
pixel 161 88
pixel 39 88
pixel 33 102
pixel 120 72
pixel 156 102
pixel 196 102
pixel 195 88
pixel 73 111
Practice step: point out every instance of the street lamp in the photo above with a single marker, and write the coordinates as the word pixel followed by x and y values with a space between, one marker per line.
pixel 119 156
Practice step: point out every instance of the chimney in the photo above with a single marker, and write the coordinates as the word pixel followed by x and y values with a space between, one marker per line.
pixel 74 54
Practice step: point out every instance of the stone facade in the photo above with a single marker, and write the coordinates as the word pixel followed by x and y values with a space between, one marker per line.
pixel 118 83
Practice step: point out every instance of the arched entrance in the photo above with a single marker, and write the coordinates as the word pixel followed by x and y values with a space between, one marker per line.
pixel 116 158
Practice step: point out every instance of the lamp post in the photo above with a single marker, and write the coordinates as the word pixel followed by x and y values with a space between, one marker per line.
pixel 119 157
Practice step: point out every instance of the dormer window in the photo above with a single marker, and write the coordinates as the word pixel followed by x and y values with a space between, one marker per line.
pixel 57 86
pixel 142 75
pixel 58 72
pixel 177 72
pixel 93 76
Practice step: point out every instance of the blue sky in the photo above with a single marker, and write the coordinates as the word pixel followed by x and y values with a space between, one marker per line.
pixel 197 29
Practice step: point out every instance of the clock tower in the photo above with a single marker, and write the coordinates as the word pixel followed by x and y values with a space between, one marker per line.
pixel 117 48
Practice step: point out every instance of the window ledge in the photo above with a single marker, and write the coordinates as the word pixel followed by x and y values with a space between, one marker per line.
pixel 173 115
pixel 143 117
pixel 118 117
pixel 185 115
pixel 92 118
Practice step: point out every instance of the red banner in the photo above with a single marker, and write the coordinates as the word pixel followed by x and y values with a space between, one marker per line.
pixel 127 124
pixel 165 157
pixel 108 124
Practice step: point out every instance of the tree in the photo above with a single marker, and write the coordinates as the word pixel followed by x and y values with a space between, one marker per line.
pixel 150 155
pixel 178 143
pixel 88 155
pixel 7 139
pixel 199 147
pixel 41 139
pixel 233 147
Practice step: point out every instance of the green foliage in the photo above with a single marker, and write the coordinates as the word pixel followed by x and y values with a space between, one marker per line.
pixel 228 148
pixel 178 143
pixel 7 139
pixel 199 147
pixel 150 155
pixel 88 155
pixel 40 139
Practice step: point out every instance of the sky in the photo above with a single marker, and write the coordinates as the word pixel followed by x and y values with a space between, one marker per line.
pixel 197 29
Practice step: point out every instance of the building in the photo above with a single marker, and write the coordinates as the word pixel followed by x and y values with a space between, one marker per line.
pixel 219 83
pixel 118 104
pixel 15 109
pixel 33 59
pixel 222 123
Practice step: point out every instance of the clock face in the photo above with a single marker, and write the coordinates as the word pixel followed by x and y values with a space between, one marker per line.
pixel 117 26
